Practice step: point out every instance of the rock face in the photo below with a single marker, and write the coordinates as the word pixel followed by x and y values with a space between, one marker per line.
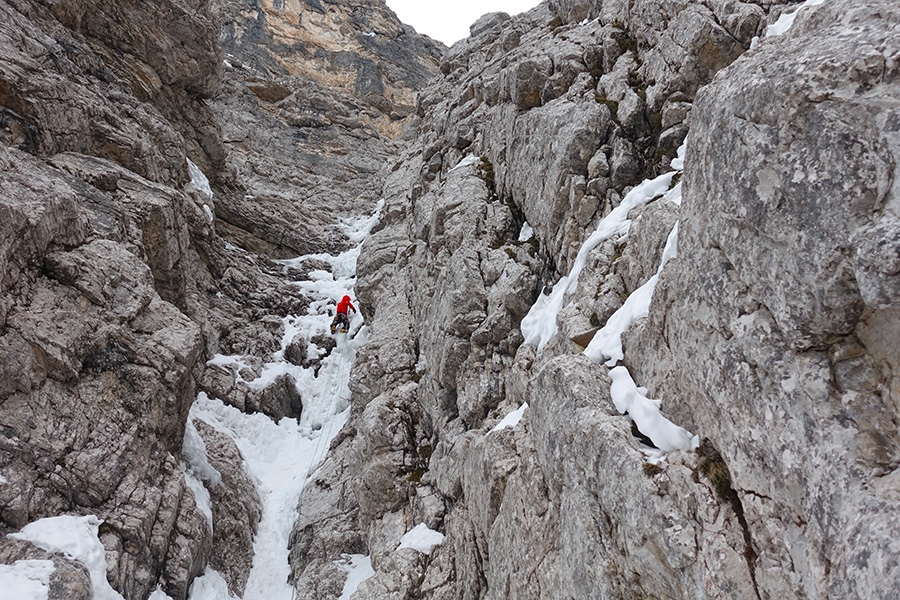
pixel 772 335
pixel 780 258
pixel 99 360
pixel 358 49
pixel 315 96
pixel 115 285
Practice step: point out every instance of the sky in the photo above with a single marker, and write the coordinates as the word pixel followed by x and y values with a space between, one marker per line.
pixel 449 21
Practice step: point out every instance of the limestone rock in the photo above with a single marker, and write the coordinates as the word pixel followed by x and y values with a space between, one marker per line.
pixel 236 509
pixel 768 292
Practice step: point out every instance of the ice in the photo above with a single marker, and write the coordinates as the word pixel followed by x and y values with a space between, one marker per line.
pixel 421 538
pixel 201 496
pixel 193 449
pixel 199 180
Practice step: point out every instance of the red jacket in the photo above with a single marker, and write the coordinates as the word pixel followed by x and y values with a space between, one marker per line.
pixel 344 304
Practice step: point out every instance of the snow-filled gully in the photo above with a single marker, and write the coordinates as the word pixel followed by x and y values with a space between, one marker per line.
pixel 280 457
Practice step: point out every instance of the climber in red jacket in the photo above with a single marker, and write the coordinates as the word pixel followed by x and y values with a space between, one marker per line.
pixel 340 317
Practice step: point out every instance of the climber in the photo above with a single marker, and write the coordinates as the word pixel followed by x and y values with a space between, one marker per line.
pixel 341 318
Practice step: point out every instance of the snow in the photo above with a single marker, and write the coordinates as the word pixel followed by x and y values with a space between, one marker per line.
pixel 471 159
pixel 26 579
pixel 359 568
pixel 199 180
pixel 209 586
pixel 201 496
pixel 158 594
pixel 678 163
pixel 786 20
pixel 281 457
pixel 76 538
pixel 674 195
pixel 539 325
pixel 510 420
pixel 421 538
pixel 607 343
pixel 2 479
pixel 209 213
pixel 645 413
pixel 526 233
pixel 193 448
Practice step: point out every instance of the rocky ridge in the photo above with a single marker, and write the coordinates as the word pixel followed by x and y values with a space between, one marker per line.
pixel 770 335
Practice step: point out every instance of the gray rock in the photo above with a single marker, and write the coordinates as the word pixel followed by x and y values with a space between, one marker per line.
pixel 487 22
pixel 236 509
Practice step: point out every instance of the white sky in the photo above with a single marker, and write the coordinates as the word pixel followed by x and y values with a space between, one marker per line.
pixel 449 21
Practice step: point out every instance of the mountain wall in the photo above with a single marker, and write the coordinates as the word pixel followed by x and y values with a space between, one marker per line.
pixel 158 161
pixel 122 272
pixel 771 335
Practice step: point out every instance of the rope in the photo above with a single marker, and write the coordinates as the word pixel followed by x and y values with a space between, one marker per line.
pixel 319 451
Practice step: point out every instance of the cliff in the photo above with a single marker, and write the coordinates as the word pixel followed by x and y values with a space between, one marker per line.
pixel 771 336
pixel 123 272
pixel 631 298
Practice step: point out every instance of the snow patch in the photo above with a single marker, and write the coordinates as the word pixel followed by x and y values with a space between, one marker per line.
pixel 645 413
pixel 76 538
pixel 526 233
pixel 359 568
pixel 194 450
pixel 159 594
pixel 539 325
pixel 786 20
pixel 421 538
pixel 607 343
pixel 471 159
pixel 201 496
pixel 199 180
pixel 210 586
pixel 674 195
pixel 678 163
pixel 26 579
pixel 209 213
pixel 510 420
